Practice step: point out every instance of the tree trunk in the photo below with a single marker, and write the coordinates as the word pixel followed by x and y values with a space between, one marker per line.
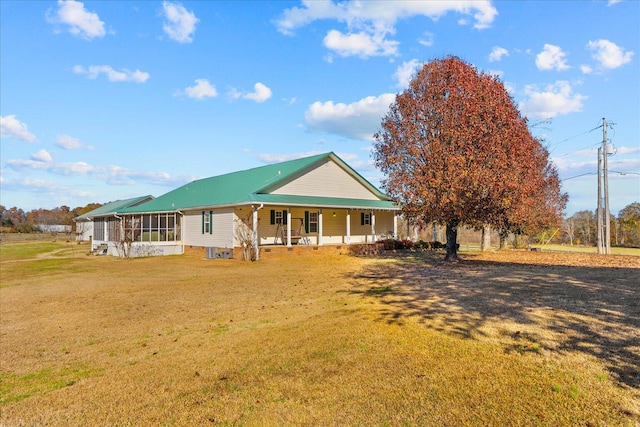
pixel 485 243
pixel 503 239
pixel 452 242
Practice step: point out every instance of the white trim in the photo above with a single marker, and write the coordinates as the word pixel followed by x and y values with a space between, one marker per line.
pixel 320 227
pixel 373 227
pixel 395 226
pixel 256 240
pixel 348 227
pixel 288 227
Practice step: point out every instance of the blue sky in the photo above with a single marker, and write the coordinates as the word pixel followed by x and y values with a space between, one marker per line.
pixel 105 100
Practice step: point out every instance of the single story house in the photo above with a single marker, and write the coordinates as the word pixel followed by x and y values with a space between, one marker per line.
pixel 54 228
pixel 317 200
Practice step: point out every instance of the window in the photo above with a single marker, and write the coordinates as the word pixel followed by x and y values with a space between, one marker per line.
pixel 313 222
pixel 278 217
pixel 365 218
pixel 98 229
pixel 164 227
pixel 113 229
pixel 207 226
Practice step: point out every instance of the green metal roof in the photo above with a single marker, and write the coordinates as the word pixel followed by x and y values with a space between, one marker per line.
pixel 250 186
pixel 111 208
pixel 325 202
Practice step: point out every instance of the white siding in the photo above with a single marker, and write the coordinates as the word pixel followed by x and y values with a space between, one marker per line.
pixel 222 232
pixel 84 231
pixel 327 180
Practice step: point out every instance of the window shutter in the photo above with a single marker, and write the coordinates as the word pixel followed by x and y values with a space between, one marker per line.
pixel 284 217
pixel 210 222
pixel 273 217
pixel 361 218
pixel 306 221
pixel 202 222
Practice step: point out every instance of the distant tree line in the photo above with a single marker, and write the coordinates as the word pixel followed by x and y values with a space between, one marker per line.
pixel 581 227
pixel 15 220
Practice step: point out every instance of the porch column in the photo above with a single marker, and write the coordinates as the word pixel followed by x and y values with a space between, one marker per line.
pixel 255 233
pixel 348 242
pixel 320 227
pixel 289 227
pixel 373 227
pixel 395 226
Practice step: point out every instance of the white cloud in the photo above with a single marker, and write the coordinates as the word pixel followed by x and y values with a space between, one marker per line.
pixel 612 2
pixel 369 23
pixel 82 23
pixel 357 13
pixel 180 24
pixel 36 186
pixel 201 90
pixel 553 100
pixel 10 127
pixel 608 54
pixel 72 168
pixel 497 53
pixel 42 156
pixel 573 165
pixel 551 58
pixel 358 120
pixel 627 150
pixel 586 69
pixel 427 39
pixel 21 164
pixel 117 175
pixel 234 93
pixel 405 72
pixel 360 44
pixel 260 94
pixel 67 142
pixel 114 175
pixel 112 75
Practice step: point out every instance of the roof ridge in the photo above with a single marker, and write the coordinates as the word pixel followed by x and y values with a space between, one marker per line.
pixel 268 165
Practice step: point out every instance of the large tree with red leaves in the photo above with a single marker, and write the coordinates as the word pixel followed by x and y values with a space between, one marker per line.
pixel 456 150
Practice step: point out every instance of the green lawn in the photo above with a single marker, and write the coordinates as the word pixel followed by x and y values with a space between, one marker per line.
pixel 508 338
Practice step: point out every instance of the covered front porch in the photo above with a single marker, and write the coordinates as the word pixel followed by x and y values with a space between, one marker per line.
pixel 282 226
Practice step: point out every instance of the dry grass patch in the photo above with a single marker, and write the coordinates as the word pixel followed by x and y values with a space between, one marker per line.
pixel 318 340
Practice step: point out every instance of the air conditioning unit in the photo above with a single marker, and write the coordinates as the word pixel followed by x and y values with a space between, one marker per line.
pixel 211 253
pixel 225 254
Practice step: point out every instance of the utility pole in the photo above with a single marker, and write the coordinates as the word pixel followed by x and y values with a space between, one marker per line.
pixel 607 219
pixel 603 223
pixel 599 239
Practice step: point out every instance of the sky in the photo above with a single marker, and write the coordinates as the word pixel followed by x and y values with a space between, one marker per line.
pixel 107 100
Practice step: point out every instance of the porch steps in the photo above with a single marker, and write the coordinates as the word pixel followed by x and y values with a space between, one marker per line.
pixel 100 249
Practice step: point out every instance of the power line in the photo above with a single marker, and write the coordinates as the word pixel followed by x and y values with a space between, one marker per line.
pixel 578 176
pixel 583 133
pixel 580 149
pixel 575 136
pixel 593 173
